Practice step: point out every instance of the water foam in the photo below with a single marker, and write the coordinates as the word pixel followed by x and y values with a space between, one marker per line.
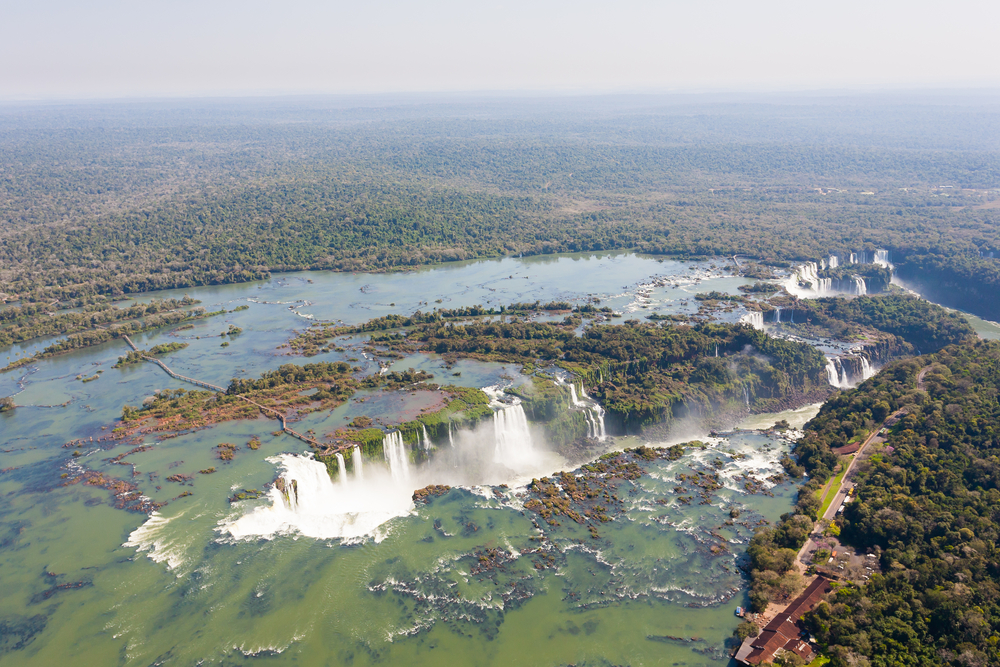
pixel 316 506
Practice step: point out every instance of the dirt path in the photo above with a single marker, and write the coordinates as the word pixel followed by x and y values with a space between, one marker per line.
pixel 920 377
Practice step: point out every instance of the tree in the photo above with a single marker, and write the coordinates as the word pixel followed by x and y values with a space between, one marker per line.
pixel 6 403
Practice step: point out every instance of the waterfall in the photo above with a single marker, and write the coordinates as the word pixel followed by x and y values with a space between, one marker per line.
pixel 833 262
pixel 866 369
pixel 513 437
pixel 396 455
pixel 831 373
pixel 341 468
pixel 854 259
pixel 746 397
pixel 856 370
pixel 860 288
pixel 598 416
pixel 316 506
pixel 835 374
pixel 777 313
pixel 804 281
pixel 591 423
pixel 359 463
pixel 754 318
pixel 592 411
pixel 451 440
pixel 716 349
pixel 426 440
pixel 882 259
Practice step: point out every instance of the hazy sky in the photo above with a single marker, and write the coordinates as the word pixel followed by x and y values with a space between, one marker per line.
pixel 113 48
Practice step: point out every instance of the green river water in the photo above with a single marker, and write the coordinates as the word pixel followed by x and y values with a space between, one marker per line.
pixel 89 584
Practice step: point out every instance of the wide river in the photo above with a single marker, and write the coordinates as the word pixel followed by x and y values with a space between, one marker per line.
pixel 210 581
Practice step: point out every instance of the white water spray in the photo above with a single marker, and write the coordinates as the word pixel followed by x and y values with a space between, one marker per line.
pixel 513 437
pixel 754 318
pixel 315 506
pixel 860 288
pixel 359 464
pixel 592 412
pixel 396 455
pixel 341 468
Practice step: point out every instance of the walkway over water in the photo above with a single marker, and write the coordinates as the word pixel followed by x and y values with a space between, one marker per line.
pixel 329 449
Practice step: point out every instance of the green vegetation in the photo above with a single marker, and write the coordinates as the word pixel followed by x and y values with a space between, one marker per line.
pixel 84 215
pixel 24 323
pixel 643 374
pixel 926 507
pixel 925 327
pixel 831 492
pixel 6 403
pixel 134 357
pixel 97 336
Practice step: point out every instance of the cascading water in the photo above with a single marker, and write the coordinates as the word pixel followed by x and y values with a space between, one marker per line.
pixel 777 313
pixel 425 441
pixel 754 318
pixel 835 374
pixel 860 288
pixel 854 259
pixel 341 468
pixel 599 431
pixel 513 437
pixel 593 411
pixel 833 262
pixel 359 463
pixel 746 397
pixel 866 369
pixel 308 502
pixel 396 455
pixel 451 440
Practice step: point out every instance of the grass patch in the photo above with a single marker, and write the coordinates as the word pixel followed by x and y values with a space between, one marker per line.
pixel 832 489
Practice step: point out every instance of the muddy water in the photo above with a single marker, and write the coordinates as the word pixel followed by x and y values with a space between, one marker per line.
pixel 85 581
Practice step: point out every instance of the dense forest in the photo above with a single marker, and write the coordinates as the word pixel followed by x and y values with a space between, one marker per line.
pixel 113 201
pixel 926 504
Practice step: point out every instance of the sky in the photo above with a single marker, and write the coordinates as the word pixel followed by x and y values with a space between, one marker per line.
pixel 68 49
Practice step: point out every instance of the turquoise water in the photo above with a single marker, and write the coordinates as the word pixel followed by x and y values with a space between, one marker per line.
pixel 87 582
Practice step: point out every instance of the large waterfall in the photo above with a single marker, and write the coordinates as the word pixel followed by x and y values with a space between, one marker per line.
pixel 396 455
pixel 313 505
pixel 835 374
pixel 513 437
pixel 849 370
pixel 592 411
pixel 341 468
pixel 805 281
pixel 754 318
pixel 425 441
pixel 359 463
